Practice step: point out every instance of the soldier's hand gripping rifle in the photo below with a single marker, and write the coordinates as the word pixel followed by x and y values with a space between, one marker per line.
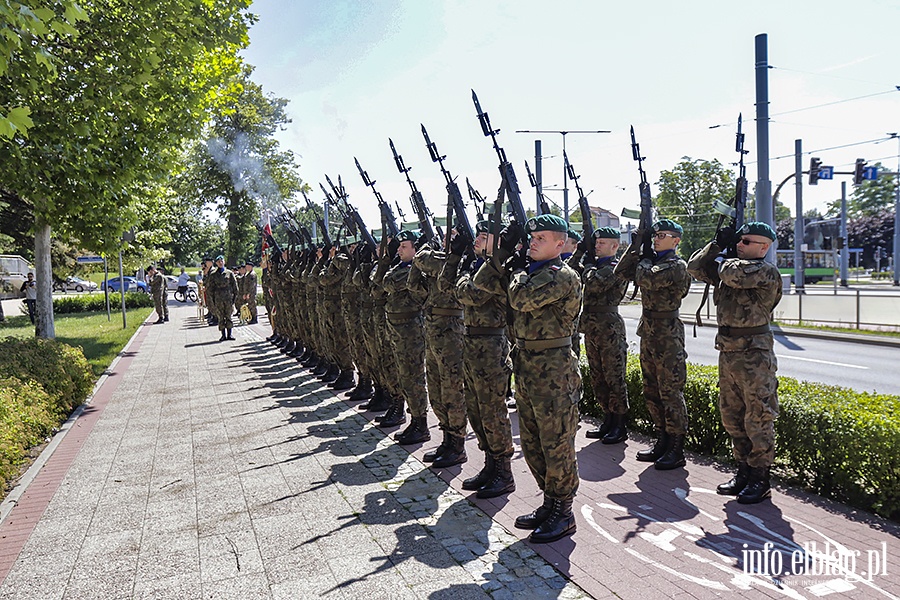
pixel 360 226
pixel 293 224
pixel 388 221
pixel 319 221
pixel 587 219
pixel 645 224
pixel 509 186
pixel 455 205
pixel 416 199
pixel 544 206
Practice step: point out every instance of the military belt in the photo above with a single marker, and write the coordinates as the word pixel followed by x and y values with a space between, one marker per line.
pixel 743 331
pixel 445 312
pixel 400 317
pixel 661 314
pixel 601 309
pixel 485 330
pixel 562 342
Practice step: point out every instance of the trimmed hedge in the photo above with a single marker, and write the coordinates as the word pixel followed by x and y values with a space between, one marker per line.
pixel 837 442
pixel 97 302
pixel 26 419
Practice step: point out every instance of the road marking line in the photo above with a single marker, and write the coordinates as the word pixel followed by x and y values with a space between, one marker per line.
pixel 823 362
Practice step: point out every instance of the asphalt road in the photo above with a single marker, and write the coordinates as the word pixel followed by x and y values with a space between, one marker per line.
pixel 849 364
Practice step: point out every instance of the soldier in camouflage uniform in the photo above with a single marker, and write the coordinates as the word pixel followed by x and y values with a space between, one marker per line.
pixel 545 298
pixel 443 360
pixel 159 290
pixel 380 344
pixel 747 289
pixel 331 280
pixel 249 296
pixel 664 282
pixel 487 365
pixel 403 310
pixel 221 287
pixel 604 335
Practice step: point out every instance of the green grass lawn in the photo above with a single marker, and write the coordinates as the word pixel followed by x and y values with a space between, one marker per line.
pixel 99 339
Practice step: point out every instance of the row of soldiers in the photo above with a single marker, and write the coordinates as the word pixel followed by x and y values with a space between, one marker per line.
pixel 423 325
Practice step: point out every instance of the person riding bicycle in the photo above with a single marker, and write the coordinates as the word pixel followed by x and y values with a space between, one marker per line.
pixel 183 279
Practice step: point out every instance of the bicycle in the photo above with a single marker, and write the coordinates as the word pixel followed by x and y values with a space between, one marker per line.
pixel 185 294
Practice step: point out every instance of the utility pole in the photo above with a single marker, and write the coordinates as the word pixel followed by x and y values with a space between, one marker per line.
pixel 845 254
pixel 764 211
pixel 565 181
pixel 897 216
pixel 799 283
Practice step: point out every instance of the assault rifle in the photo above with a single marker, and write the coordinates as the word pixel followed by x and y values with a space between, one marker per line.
pixel 477 199
pixel 388 221
pixel 301 233
pixel 455 205
pixel 359 225
pixel 646 216
pixel 416 199
pixel 544 207
pixel 275 256
pixel 509 187
pixel 319 221
pixel 587 219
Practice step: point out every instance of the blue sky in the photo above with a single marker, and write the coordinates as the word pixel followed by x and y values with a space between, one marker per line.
pixel 359 72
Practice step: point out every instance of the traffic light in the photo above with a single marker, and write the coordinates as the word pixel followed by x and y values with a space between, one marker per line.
pixel 858 171
pixel 814 165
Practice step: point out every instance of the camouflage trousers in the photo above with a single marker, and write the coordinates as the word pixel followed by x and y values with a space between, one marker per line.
pixel 223 308
pixel 161 304
pixel 408 341
pixel 607 352
pixel 387 373
pixel 334 331
pixel 664 371
pixel 487 370
pixel 748 402
pixel 444 372
pixel 251 304
pixel 548 388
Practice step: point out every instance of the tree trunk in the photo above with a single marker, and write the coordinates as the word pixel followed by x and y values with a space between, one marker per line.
pixel 43 321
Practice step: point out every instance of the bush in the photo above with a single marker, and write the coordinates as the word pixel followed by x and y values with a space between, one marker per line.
pixel 26 419
pixel 61 370
pixel 97 302
pixel 835 441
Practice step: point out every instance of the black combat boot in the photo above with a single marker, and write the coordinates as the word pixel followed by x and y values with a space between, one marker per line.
pixel 297 351
pixel 659 448
pixel 311 361
pixel 159 321
pixel 272 338
pixel 284 341
pixel 454 453
pixel 674 456
pixel 321 366
pixel 307 352
pixel 363 389
pixel 416 433
pixel 484 475
pixel 617 432
pixel 380 401
pixel 737 483
pixel 396 414
pixel 431 455
pixel 501 483
pixel 222 337
pixel 344 381
pixel 558 524
pixel 758 488
pixel 288 347
pixel 229 336
pixel 537 516
pixel 599 432
pixel 331 375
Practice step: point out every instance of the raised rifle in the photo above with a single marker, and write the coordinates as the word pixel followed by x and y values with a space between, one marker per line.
pixel 646 216
pixel 544 206
pixel 478 200
pixel 360 225
pixel 509 186
pixel 319 221
pixel 416 199
pixel 455 205
pixel 587 219
pixel 388 221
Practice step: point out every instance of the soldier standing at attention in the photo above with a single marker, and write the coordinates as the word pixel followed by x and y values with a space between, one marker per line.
pixel 545 298
pixel 221 287
pixel 664 282
pixel 159 291
pixel 250 283
pixel 747 289
pixel 604 335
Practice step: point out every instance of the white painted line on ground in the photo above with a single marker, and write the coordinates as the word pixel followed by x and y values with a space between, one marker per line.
pixel 822 362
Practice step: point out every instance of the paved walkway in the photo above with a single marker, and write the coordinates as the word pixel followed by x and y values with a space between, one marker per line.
pixel 223 470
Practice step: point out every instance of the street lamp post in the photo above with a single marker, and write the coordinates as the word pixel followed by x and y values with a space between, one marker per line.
pixel 565 182
pixel 897 216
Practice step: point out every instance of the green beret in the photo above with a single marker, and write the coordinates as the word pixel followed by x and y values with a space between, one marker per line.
pixel 546 223
pixel 574 235
pixel 220 257
pixel 758 228
pixel 485 226
pixel 407 236
pixel 608 233
pixel 668 225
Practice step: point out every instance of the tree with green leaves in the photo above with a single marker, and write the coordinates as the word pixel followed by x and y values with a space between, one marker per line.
pixel 686 195
pixel 239 167
pixel 138 80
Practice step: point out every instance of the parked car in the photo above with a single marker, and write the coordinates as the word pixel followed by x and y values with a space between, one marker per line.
pixel 76 284
pixel 132 285
pixel 172 283
pixel 13 272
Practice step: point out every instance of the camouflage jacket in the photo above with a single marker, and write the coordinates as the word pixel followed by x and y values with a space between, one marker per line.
pixel 222 285
pixel 250 284
pixel 481 308
pixel 158 284
pixel 663 282
pixel 745 293
pixel 602 288
pixel 430 262
pixel 403 293
pixel 545 303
